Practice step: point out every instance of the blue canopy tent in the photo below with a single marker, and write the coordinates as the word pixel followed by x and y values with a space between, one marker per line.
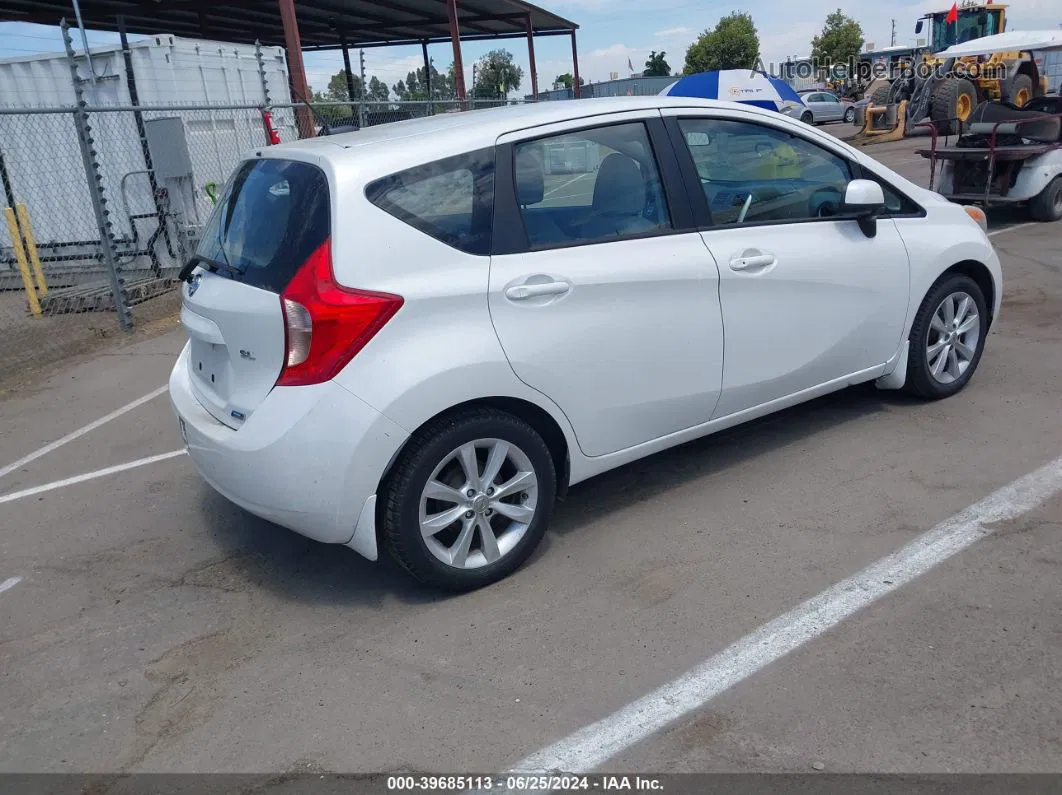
pixel 739 85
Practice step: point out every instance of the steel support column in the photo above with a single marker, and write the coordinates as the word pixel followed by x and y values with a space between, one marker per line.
pixel 427 67
pixel 531 57
pixel 575 69
pixel 455 38
pixel 351 93
pixel 296 70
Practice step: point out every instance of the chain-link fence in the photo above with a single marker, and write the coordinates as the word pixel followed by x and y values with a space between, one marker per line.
pixel 103 205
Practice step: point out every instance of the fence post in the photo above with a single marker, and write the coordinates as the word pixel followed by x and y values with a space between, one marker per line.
pixel 262 74
pixel 361 97
pixel 95 185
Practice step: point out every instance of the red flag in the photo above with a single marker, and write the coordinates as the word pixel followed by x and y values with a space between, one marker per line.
pixel 953 15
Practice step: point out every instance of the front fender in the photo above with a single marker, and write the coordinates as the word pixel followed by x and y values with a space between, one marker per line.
pixel 945 238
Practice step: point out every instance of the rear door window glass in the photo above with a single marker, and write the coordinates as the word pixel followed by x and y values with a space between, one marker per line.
pixel 451 200
pixel 270 218
pixel 593 185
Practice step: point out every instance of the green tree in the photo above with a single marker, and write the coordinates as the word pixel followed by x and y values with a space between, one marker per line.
pixel 566 81
pixel 378 91
pixel 656 66
pixel 840 40
pixel 732 44
pixel 415 87
pixel 497 75
pixel 337 87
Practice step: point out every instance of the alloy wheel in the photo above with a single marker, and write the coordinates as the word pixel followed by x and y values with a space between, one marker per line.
pixel 478 503
pixel 954 334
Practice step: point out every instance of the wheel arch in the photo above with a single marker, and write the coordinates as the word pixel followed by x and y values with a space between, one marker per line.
pixel 981 275
pixel 534 415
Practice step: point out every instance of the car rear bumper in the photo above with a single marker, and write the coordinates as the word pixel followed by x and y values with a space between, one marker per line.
pixel 307 458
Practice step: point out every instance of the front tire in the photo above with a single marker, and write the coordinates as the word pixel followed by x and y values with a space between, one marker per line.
pixel 947 338
pixel 1047 204
pixel 807 118
pixel 849 116
pixel 469 499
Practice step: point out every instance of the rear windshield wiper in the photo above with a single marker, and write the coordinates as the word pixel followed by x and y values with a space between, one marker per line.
pixel 198 259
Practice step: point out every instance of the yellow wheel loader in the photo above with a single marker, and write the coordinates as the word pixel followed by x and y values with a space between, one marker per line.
pixel 945 91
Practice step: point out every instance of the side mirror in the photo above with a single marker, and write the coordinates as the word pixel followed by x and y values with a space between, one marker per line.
pixel 863 200
pixel 918 26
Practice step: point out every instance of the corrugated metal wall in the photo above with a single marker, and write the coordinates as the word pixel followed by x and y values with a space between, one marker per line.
pixel 631 86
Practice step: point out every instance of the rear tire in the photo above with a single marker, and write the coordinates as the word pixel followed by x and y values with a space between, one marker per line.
pixel 933 372
pixel 442 558
pixel 954 97
pixel 1047 204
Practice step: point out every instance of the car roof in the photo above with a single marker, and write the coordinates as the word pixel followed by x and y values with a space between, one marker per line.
pixel 422 140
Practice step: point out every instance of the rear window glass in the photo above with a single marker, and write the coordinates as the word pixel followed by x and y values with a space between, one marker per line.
pixel 452 199
pixel 270 218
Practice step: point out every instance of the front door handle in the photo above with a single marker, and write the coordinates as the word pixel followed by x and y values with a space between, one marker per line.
pixel 522 292
pixel 751 261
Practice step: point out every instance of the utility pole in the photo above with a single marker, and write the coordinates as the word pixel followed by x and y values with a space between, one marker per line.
pixel 361 99
pixel 894 33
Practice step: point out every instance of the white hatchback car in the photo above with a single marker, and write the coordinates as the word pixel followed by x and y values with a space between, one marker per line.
pixel 420 334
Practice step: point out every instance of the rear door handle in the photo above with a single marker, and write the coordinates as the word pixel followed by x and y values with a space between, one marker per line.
pixel 751 262
pixel 522 292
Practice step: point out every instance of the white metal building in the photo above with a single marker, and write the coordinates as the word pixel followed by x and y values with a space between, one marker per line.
pixel 180 78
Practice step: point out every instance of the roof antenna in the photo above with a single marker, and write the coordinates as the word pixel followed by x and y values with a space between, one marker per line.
pixel 84 40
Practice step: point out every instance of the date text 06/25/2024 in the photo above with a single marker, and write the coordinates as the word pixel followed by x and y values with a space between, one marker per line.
pixel 523 783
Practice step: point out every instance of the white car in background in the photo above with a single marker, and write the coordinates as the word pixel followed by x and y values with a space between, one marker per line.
pixel 416 336
pixel 824 107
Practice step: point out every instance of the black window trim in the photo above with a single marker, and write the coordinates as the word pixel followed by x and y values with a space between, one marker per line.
pixel 510 233
pixel 699 201
pixel 482 201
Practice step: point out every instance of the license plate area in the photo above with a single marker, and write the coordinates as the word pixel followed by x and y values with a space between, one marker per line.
pixel 210 367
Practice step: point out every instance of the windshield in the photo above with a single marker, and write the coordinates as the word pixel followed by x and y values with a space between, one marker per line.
pixel 972 24
pixel 271 216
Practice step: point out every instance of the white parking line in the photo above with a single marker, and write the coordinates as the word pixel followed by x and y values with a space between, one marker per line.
pixel 48 448
pixel 565 185
pixel 588 748
pixel 9 583
pixel 1012 228
pixel 99 473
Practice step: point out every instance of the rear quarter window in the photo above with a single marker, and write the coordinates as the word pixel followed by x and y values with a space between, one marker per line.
pixel 271 216
pixel 452 200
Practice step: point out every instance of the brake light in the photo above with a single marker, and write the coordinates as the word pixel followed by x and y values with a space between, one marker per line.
pixel 326 324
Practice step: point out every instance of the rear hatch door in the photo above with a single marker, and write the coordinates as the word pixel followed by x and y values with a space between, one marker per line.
pixel 270 218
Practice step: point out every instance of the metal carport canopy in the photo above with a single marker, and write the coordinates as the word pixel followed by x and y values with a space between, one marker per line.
pixel 317 25
pixel 322 23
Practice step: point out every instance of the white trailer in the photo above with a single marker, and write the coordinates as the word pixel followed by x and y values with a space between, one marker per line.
pixel 198 104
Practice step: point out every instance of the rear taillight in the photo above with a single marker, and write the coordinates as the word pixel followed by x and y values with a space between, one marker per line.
pixel 326 324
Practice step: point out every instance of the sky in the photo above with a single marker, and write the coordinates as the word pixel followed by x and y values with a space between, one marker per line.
pixel 615 32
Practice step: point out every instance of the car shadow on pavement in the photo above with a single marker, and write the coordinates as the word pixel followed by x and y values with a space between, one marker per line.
pixel 644 479
pixel 266 556
pixel 299 569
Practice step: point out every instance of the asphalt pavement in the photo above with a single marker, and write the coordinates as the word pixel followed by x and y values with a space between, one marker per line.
pixel 146 624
